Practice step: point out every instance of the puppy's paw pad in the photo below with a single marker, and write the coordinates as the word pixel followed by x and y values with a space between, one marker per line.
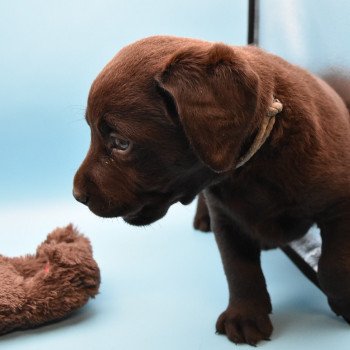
pixel 242 329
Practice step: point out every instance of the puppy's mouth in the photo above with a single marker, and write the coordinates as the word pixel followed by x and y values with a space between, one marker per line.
pixel 145 216
pixel 155 206
pixel 149 214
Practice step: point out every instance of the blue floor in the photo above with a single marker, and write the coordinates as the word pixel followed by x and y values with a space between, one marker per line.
pixel 162 287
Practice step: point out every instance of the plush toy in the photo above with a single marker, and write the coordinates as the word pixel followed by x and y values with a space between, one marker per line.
pixel 47 286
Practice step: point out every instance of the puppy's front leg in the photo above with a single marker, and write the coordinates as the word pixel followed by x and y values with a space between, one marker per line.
pixel 246 319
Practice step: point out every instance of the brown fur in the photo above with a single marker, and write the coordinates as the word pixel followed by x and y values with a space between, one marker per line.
pixel 45 287
pixel 191 108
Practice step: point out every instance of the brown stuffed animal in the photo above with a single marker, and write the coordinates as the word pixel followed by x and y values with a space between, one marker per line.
pixel 47 286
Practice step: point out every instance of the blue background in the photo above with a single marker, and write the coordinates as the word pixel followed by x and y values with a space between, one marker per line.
pixel 162 286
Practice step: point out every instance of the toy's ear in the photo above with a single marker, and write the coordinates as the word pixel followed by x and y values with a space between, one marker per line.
pixel 215 95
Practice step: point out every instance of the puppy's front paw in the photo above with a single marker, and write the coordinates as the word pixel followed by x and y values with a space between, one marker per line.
pixel 244 328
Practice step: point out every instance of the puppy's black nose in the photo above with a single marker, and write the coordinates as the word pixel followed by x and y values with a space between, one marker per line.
pixel 80 196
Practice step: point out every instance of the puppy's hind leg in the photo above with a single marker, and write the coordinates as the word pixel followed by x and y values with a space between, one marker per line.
pixel 334 264
pixel 201 220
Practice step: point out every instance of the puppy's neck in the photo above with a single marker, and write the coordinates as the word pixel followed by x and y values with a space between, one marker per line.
pixel 263 132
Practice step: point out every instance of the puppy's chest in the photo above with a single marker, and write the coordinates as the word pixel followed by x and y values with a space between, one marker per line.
pixel 262 210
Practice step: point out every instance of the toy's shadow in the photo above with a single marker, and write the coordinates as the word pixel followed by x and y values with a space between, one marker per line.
pixel 80 316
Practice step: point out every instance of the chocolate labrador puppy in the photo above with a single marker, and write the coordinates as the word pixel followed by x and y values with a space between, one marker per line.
pixel 265 141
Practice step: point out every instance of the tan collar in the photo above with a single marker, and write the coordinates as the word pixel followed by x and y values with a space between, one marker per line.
pixel 264 131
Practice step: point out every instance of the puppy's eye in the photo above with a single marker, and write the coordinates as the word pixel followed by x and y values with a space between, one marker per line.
pixel 119 144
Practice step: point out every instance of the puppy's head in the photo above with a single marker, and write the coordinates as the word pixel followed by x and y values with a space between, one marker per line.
pixel 167 117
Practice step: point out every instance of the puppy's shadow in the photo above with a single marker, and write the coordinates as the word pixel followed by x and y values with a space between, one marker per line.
pixel 302 317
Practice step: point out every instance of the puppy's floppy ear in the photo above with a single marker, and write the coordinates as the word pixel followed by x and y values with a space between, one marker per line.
pixel 215 93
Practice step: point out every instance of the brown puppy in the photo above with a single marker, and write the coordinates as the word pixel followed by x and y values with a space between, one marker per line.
pixel 171 117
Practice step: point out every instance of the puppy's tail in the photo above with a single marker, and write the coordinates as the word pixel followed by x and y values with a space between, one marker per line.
pixel 339 80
